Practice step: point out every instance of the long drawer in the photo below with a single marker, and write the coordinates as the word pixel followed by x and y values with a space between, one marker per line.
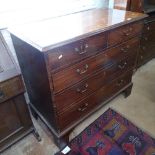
pixel 67 54
pixel 78 72
pixel 78 110
pixel 11 88
pixel 90 85
pixel 124 33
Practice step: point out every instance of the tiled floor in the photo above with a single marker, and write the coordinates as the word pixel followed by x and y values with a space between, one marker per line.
pixel 139 107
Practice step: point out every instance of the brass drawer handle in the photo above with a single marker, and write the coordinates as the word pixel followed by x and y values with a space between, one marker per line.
pixel 143 48
pixel 82 109
pixel 82 71
pixel 141 57
pixel 146 38
pixel 122 66
pixel 82 90
pixel 120 83
pixel 2 95
pixel 128 32
pixel 148 28
pixel 125 49
pixel 82 50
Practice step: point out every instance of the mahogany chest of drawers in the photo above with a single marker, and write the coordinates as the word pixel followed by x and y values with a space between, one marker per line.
pixel 88 60
pixel 15 121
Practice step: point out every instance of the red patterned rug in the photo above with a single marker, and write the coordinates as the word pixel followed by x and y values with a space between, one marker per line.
pixel 112 134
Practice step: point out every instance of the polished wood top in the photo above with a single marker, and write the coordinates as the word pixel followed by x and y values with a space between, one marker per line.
pixel 51 33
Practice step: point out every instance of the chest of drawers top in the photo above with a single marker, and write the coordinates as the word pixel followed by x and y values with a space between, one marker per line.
pixel 48 34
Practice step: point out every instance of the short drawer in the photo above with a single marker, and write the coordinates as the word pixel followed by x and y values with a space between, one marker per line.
pixel 124 33
pixel 147 46
pixel 142 58
pixel 67 54
pixel 145 55
pixel 78 72
pixel 148 39
pixel 11 88
pixel 88 86
pixel 149 27
pixel 79 110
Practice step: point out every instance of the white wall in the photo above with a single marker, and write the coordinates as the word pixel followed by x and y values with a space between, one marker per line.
pixel 20 11
pixel 102 3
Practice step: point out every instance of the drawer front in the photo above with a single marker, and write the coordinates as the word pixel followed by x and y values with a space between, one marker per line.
pixel 149 27
pixel 124 33
pixel 88 86
pixel 142 58
pixel 11 88
pixel 76 73
pixel 148 40
pixel 145 56
pixel 65 55
pixel 147 49
pixel 78 110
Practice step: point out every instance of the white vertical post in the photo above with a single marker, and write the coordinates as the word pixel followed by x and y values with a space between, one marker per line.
pixel 111 4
